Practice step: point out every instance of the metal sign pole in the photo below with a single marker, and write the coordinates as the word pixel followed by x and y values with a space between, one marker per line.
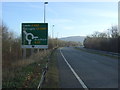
pixel 32 50
pixel 38 50
pixel 24 53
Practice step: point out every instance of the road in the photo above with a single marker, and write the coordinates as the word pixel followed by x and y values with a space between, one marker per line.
pixel 79 69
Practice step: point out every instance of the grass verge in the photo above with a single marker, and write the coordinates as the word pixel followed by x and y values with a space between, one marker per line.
pixel 94 52
pixel 25 73
pixel 52 76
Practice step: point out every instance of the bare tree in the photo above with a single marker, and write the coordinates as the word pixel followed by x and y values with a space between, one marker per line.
pixel 114 32
pixel 101 41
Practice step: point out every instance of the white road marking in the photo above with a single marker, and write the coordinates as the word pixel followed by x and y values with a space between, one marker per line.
pixel 78 78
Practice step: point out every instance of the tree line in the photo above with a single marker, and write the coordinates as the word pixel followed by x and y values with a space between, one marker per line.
pixel 109 41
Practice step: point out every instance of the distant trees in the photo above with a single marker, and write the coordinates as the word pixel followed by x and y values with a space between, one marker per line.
pixel 60 43
pixel 104 41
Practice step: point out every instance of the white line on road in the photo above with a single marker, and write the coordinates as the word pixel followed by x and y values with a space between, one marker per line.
pixel 78 78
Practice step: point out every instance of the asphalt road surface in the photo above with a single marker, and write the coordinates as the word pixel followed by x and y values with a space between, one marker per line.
pixel 79 69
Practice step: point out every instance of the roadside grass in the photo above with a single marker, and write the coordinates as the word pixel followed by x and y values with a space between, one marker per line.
pixel 52 76
pixel 25 73
pixel 95 52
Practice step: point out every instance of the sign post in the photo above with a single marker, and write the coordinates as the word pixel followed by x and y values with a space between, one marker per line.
pixel 35 35
pixel 24 53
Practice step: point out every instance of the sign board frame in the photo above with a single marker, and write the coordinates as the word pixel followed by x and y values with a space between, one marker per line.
pixel 35 35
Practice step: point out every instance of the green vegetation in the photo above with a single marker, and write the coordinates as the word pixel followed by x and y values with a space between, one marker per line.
pixel 52 76
pixel 25 73
pixel 104 41
pixel 22 77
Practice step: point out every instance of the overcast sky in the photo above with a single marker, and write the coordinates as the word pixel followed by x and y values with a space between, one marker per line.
pixel 68 18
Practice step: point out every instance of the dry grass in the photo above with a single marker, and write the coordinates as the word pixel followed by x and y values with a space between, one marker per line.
pixel 33 58
pixel 52 76
pixel 15 73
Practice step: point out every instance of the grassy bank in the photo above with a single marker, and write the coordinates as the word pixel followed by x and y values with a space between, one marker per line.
pixel 52 76
pixel 25 73
pixel 95 52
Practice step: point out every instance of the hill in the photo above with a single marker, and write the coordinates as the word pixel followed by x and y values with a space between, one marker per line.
pixel 74 38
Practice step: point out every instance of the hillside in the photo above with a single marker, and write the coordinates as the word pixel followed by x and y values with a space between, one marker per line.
pixel 74 38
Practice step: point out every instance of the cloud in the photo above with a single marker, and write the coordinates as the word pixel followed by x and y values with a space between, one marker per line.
pixel 107 14
pixel 88 28
pixel 97 12
pixel 59 21
pixel 53 12
pixel 68 28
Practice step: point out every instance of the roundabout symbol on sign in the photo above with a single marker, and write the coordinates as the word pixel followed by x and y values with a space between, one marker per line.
pixel 29 34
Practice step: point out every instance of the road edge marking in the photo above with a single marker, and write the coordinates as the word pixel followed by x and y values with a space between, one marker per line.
pixel 78 78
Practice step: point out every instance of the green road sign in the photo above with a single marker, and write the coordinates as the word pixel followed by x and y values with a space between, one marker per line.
pixel 34 35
